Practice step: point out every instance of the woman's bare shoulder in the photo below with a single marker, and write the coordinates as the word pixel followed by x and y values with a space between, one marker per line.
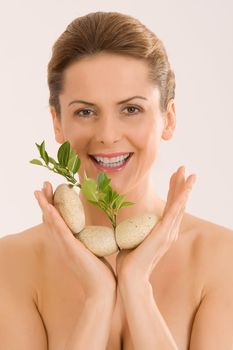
pixel 20 255
pixel 212 247
pixel 207 231
pixel 24 244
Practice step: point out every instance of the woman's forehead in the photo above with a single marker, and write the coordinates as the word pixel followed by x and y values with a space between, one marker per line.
pixel 113 76
pixel 107 68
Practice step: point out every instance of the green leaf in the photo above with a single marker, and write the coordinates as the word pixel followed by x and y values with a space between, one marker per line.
pixel 117 202
pixel 113 205
pixel 70 179
pixel 36 161
pixel 102 196
pixel 38 146
pixel 61 170
pixel 85 175
pixel 96 204
pixel 43 153
pixel 103 181
pixel 124 204
pixel 72 153
pixel 114 197
pixel 74 164
pixel 64 172
pixel 103 204
pixel 63 153
pixel 108 195
pixel 89 189
pixel 53 161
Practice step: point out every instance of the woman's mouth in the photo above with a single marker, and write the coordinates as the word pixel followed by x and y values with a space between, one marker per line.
pixel 111 164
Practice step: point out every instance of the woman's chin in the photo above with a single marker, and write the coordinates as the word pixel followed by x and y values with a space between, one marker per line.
pixel 119 187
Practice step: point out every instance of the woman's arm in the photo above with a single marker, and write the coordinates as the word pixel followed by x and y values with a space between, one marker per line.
pixel 213 324
pixel 134 267
pixel 93 326
pixel 21 326
pixel 147 327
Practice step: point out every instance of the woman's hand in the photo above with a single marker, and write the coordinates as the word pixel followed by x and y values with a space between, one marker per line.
pixel 139 262
pixel 95 275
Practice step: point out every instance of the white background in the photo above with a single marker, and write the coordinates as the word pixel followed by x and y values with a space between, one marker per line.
pixel 198 36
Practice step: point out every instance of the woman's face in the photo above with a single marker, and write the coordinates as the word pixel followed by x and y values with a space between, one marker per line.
pixel 104 125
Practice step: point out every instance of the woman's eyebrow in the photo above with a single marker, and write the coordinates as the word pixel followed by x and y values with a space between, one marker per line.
pixel 118 103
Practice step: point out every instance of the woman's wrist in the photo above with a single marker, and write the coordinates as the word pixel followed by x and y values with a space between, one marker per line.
pixel 101 297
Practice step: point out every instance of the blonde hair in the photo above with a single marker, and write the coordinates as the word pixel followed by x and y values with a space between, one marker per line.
pixel 111 32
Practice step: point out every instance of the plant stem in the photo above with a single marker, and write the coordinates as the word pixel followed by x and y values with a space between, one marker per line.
pixel 71 179
pixel 114 221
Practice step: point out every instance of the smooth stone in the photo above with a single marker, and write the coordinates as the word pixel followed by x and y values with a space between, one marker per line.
pixel 69 205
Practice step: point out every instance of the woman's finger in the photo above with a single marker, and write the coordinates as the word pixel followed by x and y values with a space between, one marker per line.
pixel 48 191
pixel 42 203
pixel 60 231
pixel 172 213
pixel 177 222
pixel 176 183
pixel 180 182
pixel 163 228
pixel 52 217
pixel 174 231
pixel 170 192
pixel 158 241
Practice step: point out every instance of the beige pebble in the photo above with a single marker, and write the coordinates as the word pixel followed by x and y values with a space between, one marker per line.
pixel 132 231
pixel 67 202
pixel 100 240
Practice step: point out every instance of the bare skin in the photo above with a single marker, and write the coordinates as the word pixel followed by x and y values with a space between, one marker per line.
pixel 59 298
pixel 183 276
pixel 189 261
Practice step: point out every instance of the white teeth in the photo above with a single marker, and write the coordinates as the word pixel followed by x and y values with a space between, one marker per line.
pixel 108 160
pixel 112 162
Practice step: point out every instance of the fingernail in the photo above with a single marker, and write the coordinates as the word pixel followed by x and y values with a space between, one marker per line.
pixel 194 179
pixel 44 185
pixel 182 169
pixel 36 195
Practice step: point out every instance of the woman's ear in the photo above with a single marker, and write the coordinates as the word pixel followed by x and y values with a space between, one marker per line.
pixel 57 126
pixel 169 121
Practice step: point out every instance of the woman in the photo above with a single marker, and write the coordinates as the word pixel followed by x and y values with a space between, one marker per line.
pixel 111 93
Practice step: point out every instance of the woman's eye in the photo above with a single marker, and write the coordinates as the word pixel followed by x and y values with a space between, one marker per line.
pixel 132 108
pixel 83 110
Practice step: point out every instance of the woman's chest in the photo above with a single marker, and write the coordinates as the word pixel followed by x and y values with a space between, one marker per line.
pixel 176 293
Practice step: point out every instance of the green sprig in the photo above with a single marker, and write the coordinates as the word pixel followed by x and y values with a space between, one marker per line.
pixel 99 192
pixel 102 196
pixel 67 164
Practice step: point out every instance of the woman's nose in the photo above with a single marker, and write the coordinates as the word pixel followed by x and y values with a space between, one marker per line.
pixel 108 132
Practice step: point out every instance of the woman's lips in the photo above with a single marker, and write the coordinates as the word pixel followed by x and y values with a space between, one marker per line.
pixel 109 169
pixel 110 154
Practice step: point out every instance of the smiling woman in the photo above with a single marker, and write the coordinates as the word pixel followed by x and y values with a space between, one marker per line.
pixel 124 116
pixel 112 96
